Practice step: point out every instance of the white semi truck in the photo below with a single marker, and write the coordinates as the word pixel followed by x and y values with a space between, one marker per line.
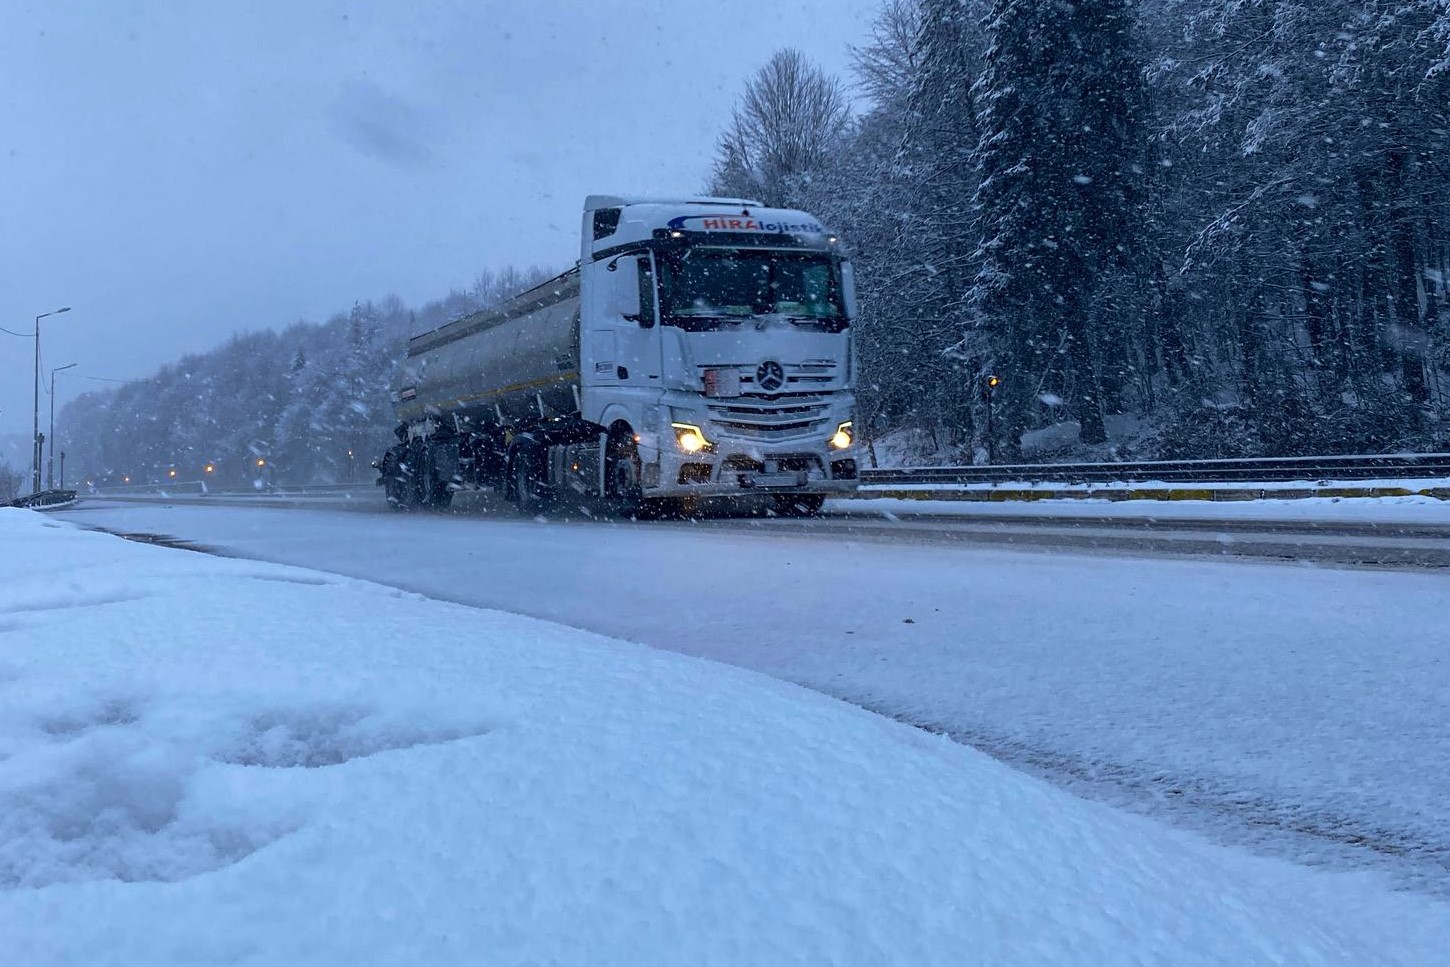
pixel 701 348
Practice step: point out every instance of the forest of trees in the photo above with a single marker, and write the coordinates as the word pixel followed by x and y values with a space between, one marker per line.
pixel 1180 228
pixel 1173 228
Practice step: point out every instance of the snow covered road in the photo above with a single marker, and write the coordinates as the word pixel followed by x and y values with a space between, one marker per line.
pixel 1401 532
pixel 1301 711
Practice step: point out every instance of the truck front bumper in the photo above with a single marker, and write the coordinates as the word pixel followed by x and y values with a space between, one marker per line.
pixel 743 471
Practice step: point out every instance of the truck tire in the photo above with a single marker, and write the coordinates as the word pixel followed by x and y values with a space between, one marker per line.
pixel 622 470
pixel 394 486
pixel 798 505
pixel 401 484
pixel 420 469
pixel 623 477
pixel 423 487
pixel 530 493
pixel 396 493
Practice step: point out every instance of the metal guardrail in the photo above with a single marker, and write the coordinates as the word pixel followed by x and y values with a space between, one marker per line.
pixel 46 498
pixel 1259 470
pixel 1419 466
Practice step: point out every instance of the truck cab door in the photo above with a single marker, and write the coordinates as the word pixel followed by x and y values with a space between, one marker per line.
pixel 629 326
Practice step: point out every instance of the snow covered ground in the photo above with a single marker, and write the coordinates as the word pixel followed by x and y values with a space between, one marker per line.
pixel 209 761
pixel 1296 710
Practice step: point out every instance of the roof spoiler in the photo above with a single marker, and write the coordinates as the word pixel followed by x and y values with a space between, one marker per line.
pixel 595 202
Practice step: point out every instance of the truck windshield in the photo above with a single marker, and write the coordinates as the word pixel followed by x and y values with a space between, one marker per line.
pixel 708 288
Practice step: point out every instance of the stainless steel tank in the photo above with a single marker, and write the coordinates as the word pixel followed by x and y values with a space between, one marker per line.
pixel 519 358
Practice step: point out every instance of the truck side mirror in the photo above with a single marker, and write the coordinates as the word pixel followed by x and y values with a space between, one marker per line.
pixel 645 293
pixel 848 288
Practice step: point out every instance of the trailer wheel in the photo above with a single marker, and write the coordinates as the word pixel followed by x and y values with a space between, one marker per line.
pixel 397 496
pixel 392 481
pixel 416 487
pixel 529 490
pixel 401 483
pixel 423 488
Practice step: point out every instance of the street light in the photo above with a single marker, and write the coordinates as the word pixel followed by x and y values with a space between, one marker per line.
pixel 35 439
pixel 50 460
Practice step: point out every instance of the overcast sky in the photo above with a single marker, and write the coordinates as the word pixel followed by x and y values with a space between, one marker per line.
pixel 180 171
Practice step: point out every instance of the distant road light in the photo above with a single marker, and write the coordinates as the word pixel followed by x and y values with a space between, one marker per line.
pixel 261 462
pixel 210 467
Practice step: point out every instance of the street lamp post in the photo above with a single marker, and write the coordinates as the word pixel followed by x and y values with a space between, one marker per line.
pixel 35 438
pixel 50 460
pixel 990 385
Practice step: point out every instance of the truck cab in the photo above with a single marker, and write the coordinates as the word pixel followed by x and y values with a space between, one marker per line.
pixel 719 332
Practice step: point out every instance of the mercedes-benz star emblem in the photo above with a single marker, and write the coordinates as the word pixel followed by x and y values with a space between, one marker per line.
pixel 770 376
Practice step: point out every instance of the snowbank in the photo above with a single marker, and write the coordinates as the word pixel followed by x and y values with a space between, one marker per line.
pixel 1380 510
pixel 215 761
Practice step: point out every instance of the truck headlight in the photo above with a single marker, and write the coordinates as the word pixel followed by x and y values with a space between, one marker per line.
pixel 843 437
pixel 691 439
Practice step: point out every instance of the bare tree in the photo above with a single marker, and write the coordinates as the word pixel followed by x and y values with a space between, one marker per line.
pixel 784 130
pixel 887 65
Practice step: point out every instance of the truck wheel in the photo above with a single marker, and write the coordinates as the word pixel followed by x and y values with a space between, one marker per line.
pixel 799 505
pixel 427 490
pixel 396 492
pixel 622 474
pixel 400 484
pixel 530 494
pixel 420 469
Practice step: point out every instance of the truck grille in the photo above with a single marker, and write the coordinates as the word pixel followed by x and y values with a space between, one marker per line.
pixel 764 419
pixel 815 374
